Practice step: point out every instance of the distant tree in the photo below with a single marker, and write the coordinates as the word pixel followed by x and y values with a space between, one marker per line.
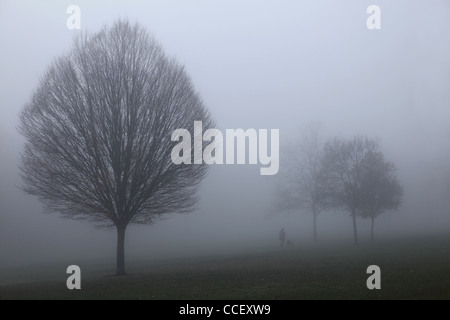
pixel 347 165
pixel 98 133
pixel 380 189
pixel 301 185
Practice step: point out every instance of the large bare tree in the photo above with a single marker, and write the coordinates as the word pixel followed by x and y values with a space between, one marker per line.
pixel 98 132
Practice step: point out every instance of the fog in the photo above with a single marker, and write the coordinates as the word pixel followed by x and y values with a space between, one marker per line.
pixel 256 64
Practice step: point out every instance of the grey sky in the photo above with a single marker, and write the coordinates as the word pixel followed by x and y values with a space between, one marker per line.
pixel 256 64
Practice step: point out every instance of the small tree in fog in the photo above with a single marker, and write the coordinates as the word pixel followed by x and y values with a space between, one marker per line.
pixel 301 185
pixel 343 167
pixel 98 133
pixel 380 189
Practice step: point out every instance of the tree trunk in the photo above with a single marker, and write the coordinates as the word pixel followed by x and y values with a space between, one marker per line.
pixel 355 234
pixel 120 250
pixel 371 229
pixel 315 225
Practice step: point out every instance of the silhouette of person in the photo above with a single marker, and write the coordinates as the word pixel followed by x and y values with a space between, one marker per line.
pixel 282 237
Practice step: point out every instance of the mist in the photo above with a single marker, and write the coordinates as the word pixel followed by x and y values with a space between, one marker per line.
pixel 256 64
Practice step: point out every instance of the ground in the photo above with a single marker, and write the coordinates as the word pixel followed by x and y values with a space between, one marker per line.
pixel 416 268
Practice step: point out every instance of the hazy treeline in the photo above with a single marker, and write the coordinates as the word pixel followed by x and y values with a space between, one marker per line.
pixel 349 174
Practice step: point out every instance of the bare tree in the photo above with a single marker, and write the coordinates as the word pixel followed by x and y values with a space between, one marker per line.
pixel 344 163
pixel 380 190
pixel 302 185
pixel 98 133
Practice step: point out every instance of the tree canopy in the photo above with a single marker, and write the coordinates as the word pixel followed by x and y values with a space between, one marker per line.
pixel 98 132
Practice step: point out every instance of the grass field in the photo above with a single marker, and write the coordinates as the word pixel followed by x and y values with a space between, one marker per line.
pixel 416 268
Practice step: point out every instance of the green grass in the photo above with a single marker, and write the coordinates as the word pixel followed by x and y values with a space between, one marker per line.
pixel 410 269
